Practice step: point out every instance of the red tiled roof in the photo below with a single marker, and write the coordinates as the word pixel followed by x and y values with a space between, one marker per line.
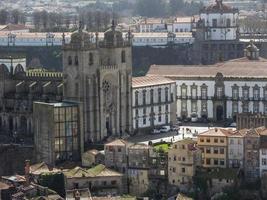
pixel 242 67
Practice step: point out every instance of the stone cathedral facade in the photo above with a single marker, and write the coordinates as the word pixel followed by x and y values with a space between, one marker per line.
pixel 98 75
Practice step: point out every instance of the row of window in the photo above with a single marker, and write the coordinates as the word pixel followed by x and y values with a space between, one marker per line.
pixel 218 162
pixel 91 59
pixel 216 150
pixel 215 140
pixel 174 170
pixel 220 92
pixel 159 117
pixel 144 96
pixel 245 107
pixel 152 110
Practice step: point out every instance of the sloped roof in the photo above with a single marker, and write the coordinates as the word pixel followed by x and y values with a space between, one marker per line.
pixel 97 171
pixel 42 168
pixel 237 68
pixel 92 152
pixel 144 81
pixel 117 142
pixel 217 132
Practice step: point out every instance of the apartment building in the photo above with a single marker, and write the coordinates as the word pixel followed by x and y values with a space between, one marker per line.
pixel 183 159
pixel 214 146
pixel 235 149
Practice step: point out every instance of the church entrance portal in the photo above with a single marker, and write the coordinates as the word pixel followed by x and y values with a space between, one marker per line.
pixel 219 113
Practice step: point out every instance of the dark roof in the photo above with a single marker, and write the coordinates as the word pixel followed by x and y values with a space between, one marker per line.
pixel 219 7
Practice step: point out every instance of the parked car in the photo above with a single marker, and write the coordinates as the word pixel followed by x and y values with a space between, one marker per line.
pixel 194 117
pixel 175 128
pixel 155 131
pixel 165 129
pixel 179 123
pixel 233 124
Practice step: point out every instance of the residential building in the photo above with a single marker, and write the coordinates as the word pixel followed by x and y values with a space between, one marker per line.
pixel 92 157
pixel 218 178
pixel 263 152
pixel 56 132
pixel 152 25
pixel 138 168
pixel 219 91
pixel 181 24
pixel 249 120
pixel 235 149
pixel 153 102
pixel 183 159
pixel 214 146
pixel 100 180
pixel 251 153
pixel 116 153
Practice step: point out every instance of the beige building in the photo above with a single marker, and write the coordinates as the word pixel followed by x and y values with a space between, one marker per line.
pixel 213 144
pixel 183 159
pixel 138 168
pixel 92 157
pixel 99 179
pixel 116 154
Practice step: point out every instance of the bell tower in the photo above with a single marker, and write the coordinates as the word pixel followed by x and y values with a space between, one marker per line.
pixel 98 75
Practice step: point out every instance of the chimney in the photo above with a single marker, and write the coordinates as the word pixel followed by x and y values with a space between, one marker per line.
pixel 27 172
pixel 251 51
pixel 216 129
pixel 77 195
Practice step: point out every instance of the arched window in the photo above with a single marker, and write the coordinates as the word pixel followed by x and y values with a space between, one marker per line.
pixel 76 60
pixel 70 60
pixel 123 57
pixel 91 59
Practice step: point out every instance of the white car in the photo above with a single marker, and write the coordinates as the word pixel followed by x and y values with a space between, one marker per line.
pixel 155 131
pixel 194 117
pixel 165 129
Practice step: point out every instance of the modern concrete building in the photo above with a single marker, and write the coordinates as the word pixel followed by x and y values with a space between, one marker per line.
pixel 56 132
pixel 183 159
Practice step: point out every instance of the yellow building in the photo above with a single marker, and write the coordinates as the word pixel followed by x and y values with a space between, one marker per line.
pixel 183 158
pixel 213 144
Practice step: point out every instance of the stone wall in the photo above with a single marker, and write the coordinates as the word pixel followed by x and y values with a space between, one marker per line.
pixel 12 158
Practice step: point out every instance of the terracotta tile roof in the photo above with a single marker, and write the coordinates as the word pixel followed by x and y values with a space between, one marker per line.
pixel 183 20
pixel 4 186
pixel 242 67
pixel 14 27
pixel 97 171
pixel 144 81
pixel 42 167
pixel 140 146
pixel 117 142
pixel 216 132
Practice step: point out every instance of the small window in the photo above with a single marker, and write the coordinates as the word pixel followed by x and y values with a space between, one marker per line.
pixel 76 60
pixel 69 60
pixel 91 59
pixel 123 60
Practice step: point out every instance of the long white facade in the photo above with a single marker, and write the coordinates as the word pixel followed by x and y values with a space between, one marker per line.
pixel 153 102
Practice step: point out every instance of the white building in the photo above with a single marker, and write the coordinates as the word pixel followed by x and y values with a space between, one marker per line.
pixel 180 24
pixel 55 39
pixel 151 25
pixel 221 90
pixel 235 149
pixel 153 101
pixel 219 21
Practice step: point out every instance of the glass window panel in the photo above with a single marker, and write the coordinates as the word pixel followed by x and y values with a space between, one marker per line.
pixel 62 129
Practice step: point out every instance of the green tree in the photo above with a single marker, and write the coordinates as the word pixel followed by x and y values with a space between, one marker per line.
pixel 150 8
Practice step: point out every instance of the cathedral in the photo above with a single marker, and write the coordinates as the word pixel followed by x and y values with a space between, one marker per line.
pixel 98 75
